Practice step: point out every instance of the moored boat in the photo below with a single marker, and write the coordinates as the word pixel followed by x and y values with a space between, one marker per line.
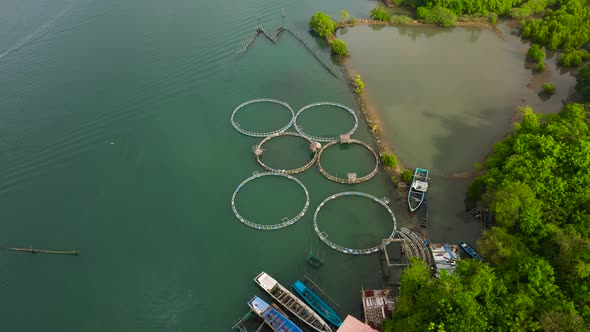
pixel 273 318
pixel 470 251
pixel 291 302
pixel 423 213
pixel 317 303
pixel 418 189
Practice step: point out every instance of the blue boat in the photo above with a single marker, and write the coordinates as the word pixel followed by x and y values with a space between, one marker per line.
pixel 317 303
pixel 273 318
pixel 418 189
pixel 470 251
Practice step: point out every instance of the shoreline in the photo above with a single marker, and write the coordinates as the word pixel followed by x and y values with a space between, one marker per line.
pixel 372 119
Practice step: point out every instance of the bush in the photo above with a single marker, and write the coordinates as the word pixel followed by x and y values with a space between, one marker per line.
pixel 395 180
pixel 566 27
pixel 407 175
pixel 493 17
pixel 574 58
pixel 322 24
pixel 437 15
pixel 539 67
pixel 583 83
pixel 378 13
pixel 535 53
pixel 400 19
pixel 359 85
pixel 529 8
pixel 344 16
pixel 389 160
pixel 338 47
pixel 352 20
pixel 548 88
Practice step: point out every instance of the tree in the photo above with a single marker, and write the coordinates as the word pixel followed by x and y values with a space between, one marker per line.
pixel 535 53
pixel 380 14
pixel 574 58
pixel 407 175
pixel 437 15
pixel 338 47
pixel 583 83
pixel 344 16
pixel 322 24
pixel 389 160
pixel 548 88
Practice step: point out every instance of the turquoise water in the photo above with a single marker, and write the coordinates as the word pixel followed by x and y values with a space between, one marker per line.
pixel 115 140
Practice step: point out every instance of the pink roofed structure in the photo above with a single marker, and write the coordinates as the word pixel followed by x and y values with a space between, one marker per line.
pixel 352 324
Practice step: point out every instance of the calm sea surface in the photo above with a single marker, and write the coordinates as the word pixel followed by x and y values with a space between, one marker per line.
pixel 115 140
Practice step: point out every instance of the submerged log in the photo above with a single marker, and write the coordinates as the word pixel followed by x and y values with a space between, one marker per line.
pixel 41 251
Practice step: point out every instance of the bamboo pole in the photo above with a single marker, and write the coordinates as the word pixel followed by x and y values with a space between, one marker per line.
pixel 321 290
pixel 41 251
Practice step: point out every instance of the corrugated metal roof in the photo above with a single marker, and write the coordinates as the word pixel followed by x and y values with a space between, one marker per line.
pixel 352 324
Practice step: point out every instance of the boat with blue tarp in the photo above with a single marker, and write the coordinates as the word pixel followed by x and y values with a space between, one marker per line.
pixel 272 317
pixel 470 251
pixel 316 303
pixel 291 302
pixel 418 189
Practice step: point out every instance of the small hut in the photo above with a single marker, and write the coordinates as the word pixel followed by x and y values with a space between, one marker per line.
pixel 344 138
pixel 315 146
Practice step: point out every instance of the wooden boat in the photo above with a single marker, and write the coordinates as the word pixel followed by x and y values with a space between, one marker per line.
pixel 418 189
pixel 316 303
pixel 291 302
pixel 423 213
pixel 470 251
pixel 272 317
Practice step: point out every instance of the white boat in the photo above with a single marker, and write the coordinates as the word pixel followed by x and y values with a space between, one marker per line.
pixel 418 189
pixel 291 302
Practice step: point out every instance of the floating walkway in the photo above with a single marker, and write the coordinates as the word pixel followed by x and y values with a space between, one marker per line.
pixel 246 43
pixel 299 129
pixel 236 125
pixel 351 251
pixel 351 179
pixel 285 221
pixel 258 151
pixel 414 246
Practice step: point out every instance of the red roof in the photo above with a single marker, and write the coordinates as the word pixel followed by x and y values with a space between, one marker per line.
pixel 352 324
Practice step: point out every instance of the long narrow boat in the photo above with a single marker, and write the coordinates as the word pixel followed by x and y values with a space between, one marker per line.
pixel 317 303
pixel 273 318
pixel 291 302
pixel 470 251
pixel 423 213
pixel 418 189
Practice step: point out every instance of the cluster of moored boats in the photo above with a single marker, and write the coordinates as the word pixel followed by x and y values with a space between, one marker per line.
pixel 309 309
pixel 417 199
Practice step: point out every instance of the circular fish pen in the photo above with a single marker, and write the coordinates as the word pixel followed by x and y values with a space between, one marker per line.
pixel 285 221
pixel 352 178
pixel 250 133
pixel 258 151
pixel 352 251
pixel 325 139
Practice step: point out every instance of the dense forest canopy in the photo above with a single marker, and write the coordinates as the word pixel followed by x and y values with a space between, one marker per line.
pixel 565 24
pixel 537 271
